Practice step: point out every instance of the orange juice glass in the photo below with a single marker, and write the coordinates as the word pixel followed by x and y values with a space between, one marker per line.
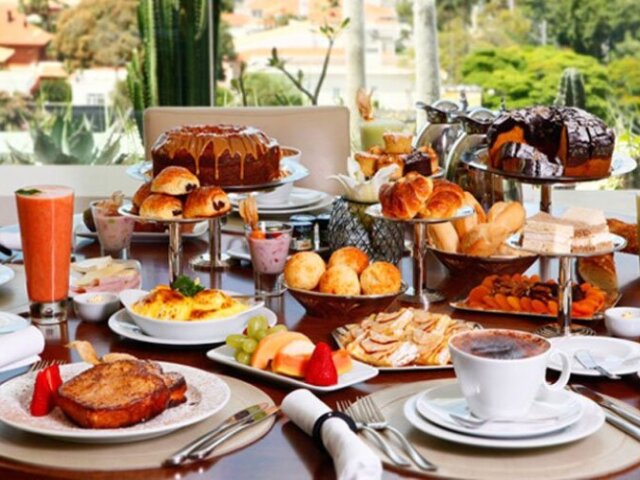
pixel 45 213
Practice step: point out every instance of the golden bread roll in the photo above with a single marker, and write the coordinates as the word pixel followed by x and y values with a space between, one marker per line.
pixel 367 162
pixel 303 270
pixel 446 185
pixel 141 194
pixel 164 207
pixel 391 159
pixel 484 240
pixel 442 204
pixel 444 237
pixel 351 257
pixel 508 214
pixel 464 225
pixel 174 181
pixel 340 280
pixel 380 278
pixel 627 230
pixel 599 271
pixel 206 202
pixel 396 142
pixel 406 197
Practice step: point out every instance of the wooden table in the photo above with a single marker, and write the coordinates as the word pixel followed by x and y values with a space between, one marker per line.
pixel 286 452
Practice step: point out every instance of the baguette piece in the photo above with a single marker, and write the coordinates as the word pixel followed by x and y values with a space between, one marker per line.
pixel 484 240
pixel 509 214
pixel 444 237
pixel 464 225
pixel 599 271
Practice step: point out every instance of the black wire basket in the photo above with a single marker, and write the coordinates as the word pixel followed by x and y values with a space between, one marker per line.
pixel 351 226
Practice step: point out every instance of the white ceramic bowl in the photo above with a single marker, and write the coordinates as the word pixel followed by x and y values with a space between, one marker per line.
pixel 623 321
pixel 177 330
pixel 281 194
pixel 91 311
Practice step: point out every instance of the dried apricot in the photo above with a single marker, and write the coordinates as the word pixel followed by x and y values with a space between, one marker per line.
pixel 502 302
pixel 525 304
pixel 490 302
pixel 552 305
pixel 514 303
pixel 477 293
pixel 538 307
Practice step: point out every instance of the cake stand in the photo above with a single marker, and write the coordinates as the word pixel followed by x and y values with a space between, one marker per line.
pixel 419 294
pixel 565 294
pixel 295 171
pixel 620 165
pixel 175 235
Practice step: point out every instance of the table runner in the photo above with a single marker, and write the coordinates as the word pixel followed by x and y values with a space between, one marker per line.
pixel 607 451
pixel 46 452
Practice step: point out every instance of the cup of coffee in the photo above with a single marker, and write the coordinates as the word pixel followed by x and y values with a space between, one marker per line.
pixel 502 371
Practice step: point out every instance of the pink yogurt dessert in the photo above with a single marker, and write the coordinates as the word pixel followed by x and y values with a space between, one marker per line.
pixel 114 232
pixel 268 255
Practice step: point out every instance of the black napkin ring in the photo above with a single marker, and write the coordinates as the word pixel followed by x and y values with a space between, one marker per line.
pixel 317 426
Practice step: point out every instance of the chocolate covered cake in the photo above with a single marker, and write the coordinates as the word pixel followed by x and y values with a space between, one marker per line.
pixel 551 141
pixel 221 155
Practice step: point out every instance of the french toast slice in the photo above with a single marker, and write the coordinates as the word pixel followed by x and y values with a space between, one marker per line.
pixel 118 394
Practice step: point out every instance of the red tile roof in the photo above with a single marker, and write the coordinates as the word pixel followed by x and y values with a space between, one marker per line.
pixel 16 32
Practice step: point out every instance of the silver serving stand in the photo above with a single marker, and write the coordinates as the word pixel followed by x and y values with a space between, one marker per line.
pixel 296 172
pixel 419 294
pixel 620 165
pixel 563 327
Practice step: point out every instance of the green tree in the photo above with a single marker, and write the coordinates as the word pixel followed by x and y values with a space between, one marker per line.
pixel 16 111
pixel 624 75
pixel 267 89
pixel 97 32
pixel 54 90
pixel 529 75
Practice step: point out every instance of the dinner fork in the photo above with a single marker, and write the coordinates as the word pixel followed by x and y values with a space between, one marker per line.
pixel 375 419
pixel 351 410
pixel 475 422
pixel 42 364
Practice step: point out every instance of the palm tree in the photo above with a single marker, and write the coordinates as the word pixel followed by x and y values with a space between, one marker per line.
pixel 354 10
pixel 425 37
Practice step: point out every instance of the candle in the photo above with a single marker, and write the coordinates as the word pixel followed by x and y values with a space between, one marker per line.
pixel 371 131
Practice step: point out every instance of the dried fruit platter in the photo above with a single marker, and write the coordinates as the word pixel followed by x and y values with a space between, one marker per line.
pixel 528 295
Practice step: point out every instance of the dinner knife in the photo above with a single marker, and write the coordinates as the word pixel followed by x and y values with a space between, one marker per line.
pixel 623 425
pixel 237 418
pixel 603 402
pixel 257 417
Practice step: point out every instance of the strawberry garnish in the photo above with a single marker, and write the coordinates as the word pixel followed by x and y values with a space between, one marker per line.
pixel 45 390
pixel 321 370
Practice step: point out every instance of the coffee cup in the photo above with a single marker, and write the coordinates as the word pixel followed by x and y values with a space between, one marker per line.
pixel 501 371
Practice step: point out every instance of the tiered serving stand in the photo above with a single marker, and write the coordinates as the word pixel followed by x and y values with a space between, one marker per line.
pixel 419 294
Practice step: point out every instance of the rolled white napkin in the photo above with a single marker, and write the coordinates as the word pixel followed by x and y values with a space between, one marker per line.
pixel 352 458
pixel 11 240
pixel 20 348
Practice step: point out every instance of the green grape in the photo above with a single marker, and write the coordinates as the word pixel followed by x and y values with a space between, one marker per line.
pixel 236 341
pixel 256 323
pixel 277 328
pixel 243 357
pixel 249 345
pixel 260 334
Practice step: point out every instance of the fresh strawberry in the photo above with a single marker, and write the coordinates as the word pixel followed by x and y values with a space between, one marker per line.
pixel 45 390
pixel 320 369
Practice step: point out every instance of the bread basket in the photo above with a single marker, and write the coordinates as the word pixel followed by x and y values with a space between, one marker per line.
pixel 349 307
pixel 460 263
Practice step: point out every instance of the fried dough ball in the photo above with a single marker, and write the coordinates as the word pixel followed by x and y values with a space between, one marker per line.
pixel 381 278
pixel 351 257
pixel 340 280
pixel 303 270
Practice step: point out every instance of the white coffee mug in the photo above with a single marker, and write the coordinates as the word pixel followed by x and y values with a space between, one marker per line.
pixel 504 388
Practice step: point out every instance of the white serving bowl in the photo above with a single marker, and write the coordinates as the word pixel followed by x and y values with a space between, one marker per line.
pixel 193 330
pixel 623 321
pixel 91 311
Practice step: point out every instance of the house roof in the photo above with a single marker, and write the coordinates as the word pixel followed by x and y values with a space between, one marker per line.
pixel 15 31
pixel 6 54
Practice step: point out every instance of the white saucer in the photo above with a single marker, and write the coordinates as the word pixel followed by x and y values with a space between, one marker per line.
pixel 592 419
pixel 299 197
pixel 121 323
pixel 325 201
pixel 437 403
pixel 10 322
pixel 619 356
pixel 6 274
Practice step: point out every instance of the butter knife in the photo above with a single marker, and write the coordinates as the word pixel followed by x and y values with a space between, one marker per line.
pixel 203 452
pixel 236 419
pixel 603 402
pixel 623 425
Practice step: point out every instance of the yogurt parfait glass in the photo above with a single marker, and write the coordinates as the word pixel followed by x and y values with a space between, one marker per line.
pixel 269 246
pixel 114 230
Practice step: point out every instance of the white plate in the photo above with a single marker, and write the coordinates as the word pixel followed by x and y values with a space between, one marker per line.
pixel 206 395
pixel 299 197
pixel 359 373
pixel 81 230
pixel 438 403
pixel 10 322
pixel 6 274
pixel 325 201
pixel 619 356
pixel 591 421
pixel 141 171
pixel 121 323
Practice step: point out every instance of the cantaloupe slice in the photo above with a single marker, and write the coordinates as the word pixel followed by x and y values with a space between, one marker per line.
pixel 270 345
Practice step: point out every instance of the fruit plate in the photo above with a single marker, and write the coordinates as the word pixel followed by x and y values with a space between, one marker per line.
pixel 359 373
pixel 206 395
pixel 612 301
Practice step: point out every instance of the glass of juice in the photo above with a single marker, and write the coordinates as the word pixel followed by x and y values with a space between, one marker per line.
pixel 45 214
pixel 269 246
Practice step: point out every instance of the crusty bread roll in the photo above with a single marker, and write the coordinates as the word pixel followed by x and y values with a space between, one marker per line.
pixel 443 236
pixel 627 230
pixel 303 270
pixel 141 194
pixel 464 225
pixel 380 278
pixel 164 207
pixel 508 214
pixel 367 162
pixel 340 280
pixel 206 202
pixel 442 204
pixel 351 257
pixel 396 142
pixel 599 271
pixel 406 197
pixel 484 240
pixel 174 181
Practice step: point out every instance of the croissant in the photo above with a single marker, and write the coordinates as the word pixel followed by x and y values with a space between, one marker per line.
pixel 442 204
pixel 627 230
pixel 406 197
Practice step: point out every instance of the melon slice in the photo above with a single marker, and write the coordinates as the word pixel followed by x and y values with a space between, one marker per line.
pixel 270 345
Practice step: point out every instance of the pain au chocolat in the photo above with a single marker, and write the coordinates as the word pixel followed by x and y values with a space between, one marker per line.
pixel 551 141
pixel 223 155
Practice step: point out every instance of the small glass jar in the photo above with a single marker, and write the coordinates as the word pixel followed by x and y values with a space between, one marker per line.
pixel 302 236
